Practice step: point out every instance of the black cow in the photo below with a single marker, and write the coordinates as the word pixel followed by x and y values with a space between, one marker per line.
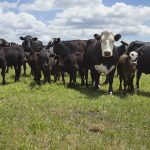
pixel 31 44
pixel 46 63
pixel 63 48
pixel 39 62
pixel 4 43
pixel 101 56
pixel 143 61
pixel 11 56
pixel 72 52
pixel 72 63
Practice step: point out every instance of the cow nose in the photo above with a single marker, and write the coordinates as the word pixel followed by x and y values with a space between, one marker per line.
pixel 134 62
pixel 107 53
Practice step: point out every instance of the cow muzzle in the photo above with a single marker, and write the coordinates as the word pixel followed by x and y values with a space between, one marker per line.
pixel 107 54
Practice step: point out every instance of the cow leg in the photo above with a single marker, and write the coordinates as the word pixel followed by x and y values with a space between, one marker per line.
pixel 7 70
pixel 81 72
pixel 70 78
pixel 96 76
pixel 48 75
pixel 3 75
pixel 24 68
pixel 120 86
pixel 18 72
pixel 45 78
pixel 138 76
pixel 74 78
pixel 35 76
pixel 55 77
pixel 34 73
pixel 131 86
pixel 110 80
pixel 62 75
pixel 38 76
pixel 86 77
pixel 92 77
pixel 125 85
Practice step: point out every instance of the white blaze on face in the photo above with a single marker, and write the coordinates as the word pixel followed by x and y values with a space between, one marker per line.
pixel 133 57
pixel 107 44
pixel 103 69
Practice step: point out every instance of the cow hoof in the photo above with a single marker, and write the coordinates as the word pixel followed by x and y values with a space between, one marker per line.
pixel 136 89
pixel 105 83
pixel 38 82
pixel 111 93
pixel 120 89
pixel 96 87
pixel 4 83
pixel 124 93
pixel 99 86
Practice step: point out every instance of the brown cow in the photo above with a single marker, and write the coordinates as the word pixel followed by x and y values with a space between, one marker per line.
pixel 126 70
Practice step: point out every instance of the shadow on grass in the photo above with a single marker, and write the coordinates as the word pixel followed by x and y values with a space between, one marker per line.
pixel 92 93
pixel 33 85
pixel 144 93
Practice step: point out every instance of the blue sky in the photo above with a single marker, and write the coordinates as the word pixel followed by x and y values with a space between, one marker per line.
pixel 74 19
pixel 130 2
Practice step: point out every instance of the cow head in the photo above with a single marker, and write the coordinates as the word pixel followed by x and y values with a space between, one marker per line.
pixel 135 46
pixel 133 56
pixel 49 45
pixel 55 41
pixel 4 43
pixel 27 41
pixel 107 40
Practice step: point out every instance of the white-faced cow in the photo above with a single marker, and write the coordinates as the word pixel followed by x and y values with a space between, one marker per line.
pixel 126 70
pixel 143 61
pixel 101 57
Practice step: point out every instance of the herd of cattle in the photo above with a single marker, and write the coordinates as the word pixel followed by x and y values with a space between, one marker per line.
pixel 99 55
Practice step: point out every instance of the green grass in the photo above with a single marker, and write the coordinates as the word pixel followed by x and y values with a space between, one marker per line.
pixel 52 116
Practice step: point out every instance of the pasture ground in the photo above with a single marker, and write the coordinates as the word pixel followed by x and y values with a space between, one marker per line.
pixel 52 116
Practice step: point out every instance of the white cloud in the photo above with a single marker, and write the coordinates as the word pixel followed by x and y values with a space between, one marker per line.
pixel 76 19
pixel 13 25
pixel 118 18
pixel 37 5
pixel 40 5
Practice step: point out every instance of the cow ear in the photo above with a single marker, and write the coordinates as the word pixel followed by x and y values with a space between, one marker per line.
pixel 35 39
pixel 58 40
pixel 124 43
pixel 21 38
pixel 117 37
pixel 97 36
pixel 140 54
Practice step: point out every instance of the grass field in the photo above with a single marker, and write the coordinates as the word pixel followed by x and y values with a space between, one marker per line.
pixel 55 117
